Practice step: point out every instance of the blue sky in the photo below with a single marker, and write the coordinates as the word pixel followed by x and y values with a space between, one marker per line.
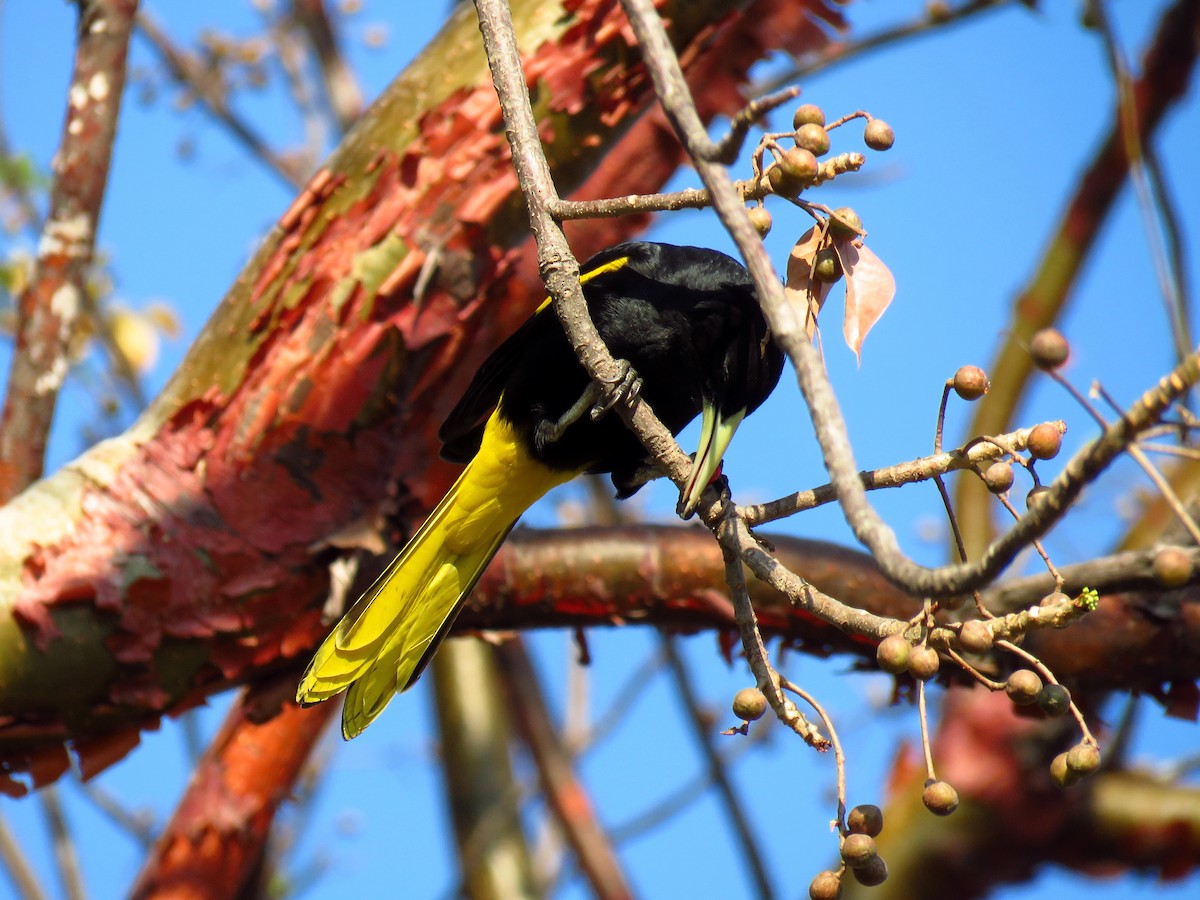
pixel 993 123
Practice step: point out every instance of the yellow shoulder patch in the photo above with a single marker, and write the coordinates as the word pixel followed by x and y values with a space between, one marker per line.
pixel 584 277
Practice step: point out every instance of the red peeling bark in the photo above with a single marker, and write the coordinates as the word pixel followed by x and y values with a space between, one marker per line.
pixel 193 552
pixel 213 845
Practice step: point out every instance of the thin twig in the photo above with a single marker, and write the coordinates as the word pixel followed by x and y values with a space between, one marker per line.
pixel 839 757
pixel 139 825
pixel 681 798
pixel 734 808
pixel 24 879
pixel 64 844
pixel 565 796
pixel 213 101
pixel 767 678
pixel 291 52
pixel 842 52
pixel 342 92
pixel 923 717
pixel 558 267
pixel 922 469
pixel 1152 215
pixel 1176 505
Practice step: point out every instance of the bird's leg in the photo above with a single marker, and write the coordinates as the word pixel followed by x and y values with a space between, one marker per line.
pixel 628 389
pixel 548 431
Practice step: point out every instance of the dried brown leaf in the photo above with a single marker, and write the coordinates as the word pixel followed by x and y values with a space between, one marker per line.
pixel 869 290
pixel 801 290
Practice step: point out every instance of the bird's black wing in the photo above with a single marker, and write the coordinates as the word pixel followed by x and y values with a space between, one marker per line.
pixel 462 431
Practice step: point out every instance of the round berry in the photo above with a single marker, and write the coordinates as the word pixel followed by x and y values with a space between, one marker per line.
pixel 844 224
pixel 1083 758
pixel 793 173
pixel 827 266
pixel 1036 496
pixel 749 704
pixel 825 886
pixel 866 818
pixel 1023 687
pixel 970 383
pixel 858 850
pixel 940 798
pixel 975 637
pixel 1045 441
pixel 1061 773
pixel 812 137
pixel 1172 567
pixel 923 663
pixel 878 135
pixel 808 114
pixel 760 219
pixel 1054 700
pixel 872 874
pixel 1049 349
pixel 998 477
pixel 1054 598
pixel 892 654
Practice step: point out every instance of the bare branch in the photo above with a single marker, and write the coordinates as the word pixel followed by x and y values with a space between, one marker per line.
pixel 49 308
pixel 717 769
pixel 341 88
pixel 184 71
pixel 566 797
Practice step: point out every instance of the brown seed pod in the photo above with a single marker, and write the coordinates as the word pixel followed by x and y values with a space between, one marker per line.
pixel 1061 773
pixel 1083 758
pixel 812 137
pixel 866 818
pixel 998 477
pixel 878 135
pixel 1049 349
pixel 793 173
pixel 749 704
pixel 808 114
pixel 872 874
pixel 923 663
pixel 825 886
pixel 858 850
pixel 1035 495
pixel 1054 700
pixel 970 382
pixel 1023 687
pixel 827 267
pixel 844 224
pixel 1045 441
pixel 975 637
pixel 760 219
pixel 940 798
pixel 1172 567
pixel 892 654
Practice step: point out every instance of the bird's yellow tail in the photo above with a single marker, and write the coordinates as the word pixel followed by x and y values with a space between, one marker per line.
pixel 382 643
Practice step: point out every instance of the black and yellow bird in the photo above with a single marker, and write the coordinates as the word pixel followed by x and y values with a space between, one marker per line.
pixel 686 321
